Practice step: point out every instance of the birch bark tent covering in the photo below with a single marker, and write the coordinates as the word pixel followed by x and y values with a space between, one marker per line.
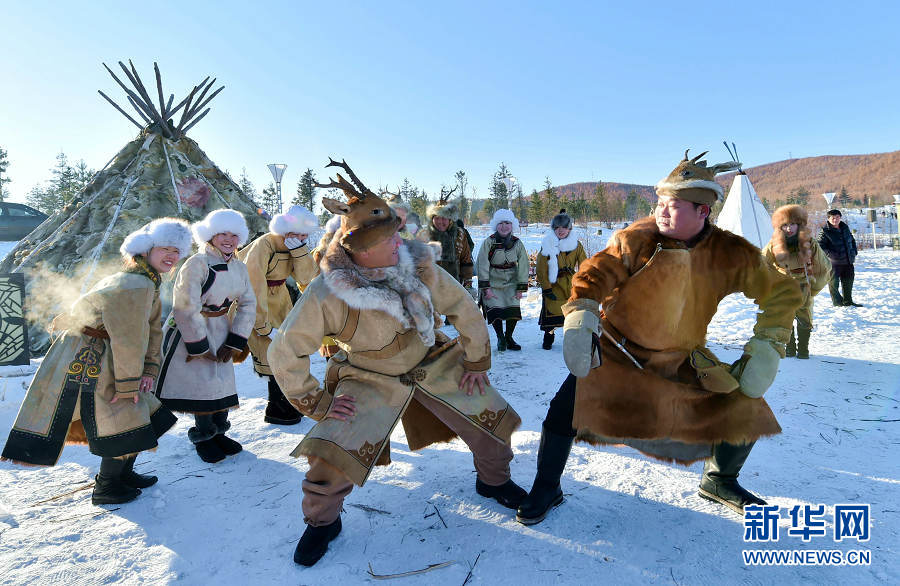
pixel 161 172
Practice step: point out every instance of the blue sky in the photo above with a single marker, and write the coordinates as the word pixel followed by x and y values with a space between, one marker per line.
pixel 573 91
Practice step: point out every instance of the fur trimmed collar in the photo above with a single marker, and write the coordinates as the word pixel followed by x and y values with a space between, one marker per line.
pixel 398 291
pixel 551 246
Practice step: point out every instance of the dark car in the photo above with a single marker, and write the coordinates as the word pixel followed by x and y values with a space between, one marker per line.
pixel 18 220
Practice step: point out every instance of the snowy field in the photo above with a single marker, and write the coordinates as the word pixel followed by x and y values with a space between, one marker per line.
pixel 627 519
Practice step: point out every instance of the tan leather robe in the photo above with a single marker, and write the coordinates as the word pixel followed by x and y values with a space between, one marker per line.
pixel 269 264
pixel 383 360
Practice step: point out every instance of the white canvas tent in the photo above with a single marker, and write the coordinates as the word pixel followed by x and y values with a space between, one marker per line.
pixel 744 213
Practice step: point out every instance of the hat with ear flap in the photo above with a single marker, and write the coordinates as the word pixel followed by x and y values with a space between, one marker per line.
pixel 366 219
pixel 694 181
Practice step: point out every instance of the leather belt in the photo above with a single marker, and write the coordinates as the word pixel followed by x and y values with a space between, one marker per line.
pixel 504 266
pixel 277 283
pixel 218 313
pixel 95 332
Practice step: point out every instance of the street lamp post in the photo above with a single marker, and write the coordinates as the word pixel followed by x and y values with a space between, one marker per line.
pixel 277 170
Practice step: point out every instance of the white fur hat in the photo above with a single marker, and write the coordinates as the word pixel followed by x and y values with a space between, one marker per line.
pixel 504 215
pixel 217 222
pixel 297 219
pixel 160 232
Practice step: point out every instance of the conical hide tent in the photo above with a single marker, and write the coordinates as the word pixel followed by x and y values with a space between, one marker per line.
pixel 744 213
pixel 160 173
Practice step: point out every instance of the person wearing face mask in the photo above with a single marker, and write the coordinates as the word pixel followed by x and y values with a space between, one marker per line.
pixel 270 260
pixel 795 253
pixel 105 359
pixel 503 277
pixel 561 253
pixel 201 338
pixel 635 345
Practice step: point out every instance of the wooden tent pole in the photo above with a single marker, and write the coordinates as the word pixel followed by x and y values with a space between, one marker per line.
pixel 172 176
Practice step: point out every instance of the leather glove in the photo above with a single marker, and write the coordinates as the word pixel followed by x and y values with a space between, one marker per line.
pixel 293 243
pixel 756 369
pixel 225 353
pixel 208 356
pixel 548 293
pixel 273 333
pixel 579 330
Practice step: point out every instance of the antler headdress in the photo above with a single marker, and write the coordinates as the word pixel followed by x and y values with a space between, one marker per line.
pixel 694 181
pixel 366 219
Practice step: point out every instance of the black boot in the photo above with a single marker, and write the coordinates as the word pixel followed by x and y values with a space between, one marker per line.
pixel 803 342
pixel 510 343
pixel 314 543
pixel 719 481
pixel 203 436
pixel 228 446
pixel 135 480
pixel 509 494
pixel 546 492
pixel 847 285
pixel 279 410
pixel 501 339
pixel 791 349
pixel 109 488
pixel 548 340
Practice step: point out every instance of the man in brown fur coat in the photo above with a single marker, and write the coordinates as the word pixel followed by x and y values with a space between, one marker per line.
pixel 380 298
pixel 658 388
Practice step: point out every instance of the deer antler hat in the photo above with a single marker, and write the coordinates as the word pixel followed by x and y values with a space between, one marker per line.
pixel 443 207
pixel 366 219
pixel 693 181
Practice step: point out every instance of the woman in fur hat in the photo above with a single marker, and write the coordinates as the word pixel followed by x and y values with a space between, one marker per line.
pixel 106 362
pixel 561 252
pixel 503 277
pixel 270 260
pixel 795 253
pixel 200 338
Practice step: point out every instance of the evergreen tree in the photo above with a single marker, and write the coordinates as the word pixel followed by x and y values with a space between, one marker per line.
pixel 536 208
pixel 269 200
pixel 844 197
pixel 520 207
pixel 551 198
pixel 306 191
pixel 600 205
pixel 644 207
pixel 247 187
pixel 66 182
pixel 498 189
pixel 631 206
pixel 4 165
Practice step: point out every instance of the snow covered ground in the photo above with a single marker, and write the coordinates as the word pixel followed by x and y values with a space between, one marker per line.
pixel 627 518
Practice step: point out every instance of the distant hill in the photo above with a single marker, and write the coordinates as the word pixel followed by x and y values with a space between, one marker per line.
pixel 877 175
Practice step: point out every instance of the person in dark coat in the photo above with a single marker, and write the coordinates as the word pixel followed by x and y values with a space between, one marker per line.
pixel 840 247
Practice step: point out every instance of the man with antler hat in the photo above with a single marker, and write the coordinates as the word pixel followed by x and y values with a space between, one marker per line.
pixel 456 252
pixel 380 298
pixel 643 304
